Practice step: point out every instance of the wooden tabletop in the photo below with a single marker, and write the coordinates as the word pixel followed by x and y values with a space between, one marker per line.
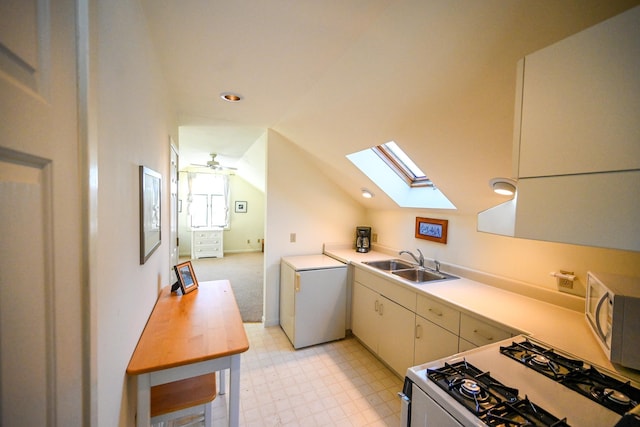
pixel 182 329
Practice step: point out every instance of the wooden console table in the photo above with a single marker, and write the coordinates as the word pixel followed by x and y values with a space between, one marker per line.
pixel 188 336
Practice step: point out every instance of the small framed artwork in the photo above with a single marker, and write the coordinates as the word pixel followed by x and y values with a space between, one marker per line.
pixel 432 229
pixel 150 220
pixel 187 280
pixel 241 207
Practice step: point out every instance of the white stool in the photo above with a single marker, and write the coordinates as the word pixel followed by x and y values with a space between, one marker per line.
pixel 178 399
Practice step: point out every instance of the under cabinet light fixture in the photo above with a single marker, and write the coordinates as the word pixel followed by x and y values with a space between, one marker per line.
pixel 503 186
pixel 230 96
pixel 366 193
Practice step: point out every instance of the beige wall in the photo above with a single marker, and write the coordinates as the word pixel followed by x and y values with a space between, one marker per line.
pixel 523 260
pixel 246 230
pixel 300 200
pixel 133 118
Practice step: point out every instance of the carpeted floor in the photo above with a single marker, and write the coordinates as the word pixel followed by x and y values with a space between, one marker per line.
pixel 245 272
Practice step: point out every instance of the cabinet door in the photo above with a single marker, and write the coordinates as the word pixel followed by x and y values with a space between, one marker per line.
pixel 432 342
pixel 395 341
pixel 580 102
pixel 287 301
pixel 364 316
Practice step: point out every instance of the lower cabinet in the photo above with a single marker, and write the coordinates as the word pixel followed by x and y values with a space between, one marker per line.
pixel 432 342
pixel 383 326
pixel 404 337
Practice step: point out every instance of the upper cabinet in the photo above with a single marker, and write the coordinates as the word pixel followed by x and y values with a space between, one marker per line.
pixel 580 103
pixel 576 150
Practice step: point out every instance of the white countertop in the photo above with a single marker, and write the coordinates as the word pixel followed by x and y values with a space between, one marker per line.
pixel 557 326
pixel 312 262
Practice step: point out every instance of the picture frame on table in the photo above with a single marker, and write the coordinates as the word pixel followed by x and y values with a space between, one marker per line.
pixel 432 229
pixel 150 212
pixel 187 280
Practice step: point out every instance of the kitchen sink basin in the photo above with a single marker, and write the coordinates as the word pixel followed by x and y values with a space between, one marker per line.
pixel 419 275
pixel 390 264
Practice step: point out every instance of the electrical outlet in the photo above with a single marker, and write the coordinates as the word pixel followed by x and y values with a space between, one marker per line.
pixel 374 237
pixel 248 241
pixel 292 237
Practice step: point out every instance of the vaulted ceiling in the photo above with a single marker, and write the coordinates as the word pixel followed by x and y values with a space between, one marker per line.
pixel 335 77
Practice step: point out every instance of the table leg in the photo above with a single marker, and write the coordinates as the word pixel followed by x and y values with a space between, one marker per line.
pixel 234 391
pixel 222 377
pixel 143 415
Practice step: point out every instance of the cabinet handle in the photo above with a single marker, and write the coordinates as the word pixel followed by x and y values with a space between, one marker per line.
pixel 380 311
pixel 436 312
pixel 375 306
pixel 297 282
pixel 485 336
pixel 418 331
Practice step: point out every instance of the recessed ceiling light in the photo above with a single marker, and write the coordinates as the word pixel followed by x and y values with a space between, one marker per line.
pixel 503 186
pixel 366 193
pixel 230 96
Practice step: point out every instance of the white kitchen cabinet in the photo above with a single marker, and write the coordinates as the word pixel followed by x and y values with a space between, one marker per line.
pixel 206 243
pixel 432 342
pixel 384 326
pixel 576 153
pixel 436 330
pixel 480 332
pixel 396 342
pixel 364 315
pixel 579 102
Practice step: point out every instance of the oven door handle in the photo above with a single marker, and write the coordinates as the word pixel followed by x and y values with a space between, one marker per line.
pixel 405 409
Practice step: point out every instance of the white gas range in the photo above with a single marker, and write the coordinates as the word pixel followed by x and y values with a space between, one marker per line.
pixel 518 381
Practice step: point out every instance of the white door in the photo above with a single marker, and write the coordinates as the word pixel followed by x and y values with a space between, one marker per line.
pixel 174 207
pixel 41 261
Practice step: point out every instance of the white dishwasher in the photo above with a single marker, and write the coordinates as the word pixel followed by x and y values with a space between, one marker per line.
pixel 313 299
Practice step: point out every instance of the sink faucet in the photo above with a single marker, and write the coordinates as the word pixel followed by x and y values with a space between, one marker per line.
pixel 419 260
pixel 437 264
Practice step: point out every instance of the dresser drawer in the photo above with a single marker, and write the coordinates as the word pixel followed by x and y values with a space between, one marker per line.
pixel 480 332
pixel 439 313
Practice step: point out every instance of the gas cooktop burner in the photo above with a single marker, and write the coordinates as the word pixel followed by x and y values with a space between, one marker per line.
pixel 608 391
pixel 493 402
pixel 522 413
pixel 611 394
pixel 470 389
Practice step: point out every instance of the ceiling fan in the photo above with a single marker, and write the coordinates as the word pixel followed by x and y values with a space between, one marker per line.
pixel 215 165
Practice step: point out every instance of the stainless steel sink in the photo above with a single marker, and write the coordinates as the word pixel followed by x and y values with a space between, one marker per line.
pixel 419 275
pixel 390 264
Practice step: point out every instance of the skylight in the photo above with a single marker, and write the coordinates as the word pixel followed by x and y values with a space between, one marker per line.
pixel 402 164
pixel 399 177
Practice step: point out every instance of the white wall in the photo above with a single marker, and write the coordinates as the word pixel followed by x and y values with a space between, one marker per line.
pixel 300 200
pixel 528 261
pixel 133 128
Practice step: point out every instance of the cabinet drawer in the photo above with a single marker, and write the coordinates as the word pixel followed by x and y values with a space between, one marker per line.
pixel 207 234
pixel 206 242
pixel 386 287
pixel 480 332
pixel 439 313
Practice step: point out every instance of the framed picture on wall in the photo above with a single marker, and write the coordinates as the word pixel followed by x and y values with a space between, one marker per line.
pixel 432 229
pixel 241 207
pixel 150 220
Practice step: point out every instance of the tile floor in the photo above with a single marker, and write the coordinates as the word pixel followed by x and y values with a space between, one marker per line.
pixel 334 384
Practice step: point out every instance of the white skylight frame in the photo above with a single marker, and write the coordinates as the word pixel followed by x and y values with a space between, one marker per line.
pixel 386 177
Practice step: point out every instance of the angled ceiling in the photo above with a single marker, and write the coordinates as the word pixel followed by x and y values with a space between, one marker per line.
pixel 334 77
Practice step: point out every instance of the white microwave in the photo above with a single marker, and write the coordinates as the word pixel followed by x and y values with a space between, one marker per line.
pixel 612 309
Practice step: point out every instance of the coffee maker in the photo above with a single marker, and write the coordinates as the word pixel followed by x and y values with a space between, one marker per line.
pixel 363 239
